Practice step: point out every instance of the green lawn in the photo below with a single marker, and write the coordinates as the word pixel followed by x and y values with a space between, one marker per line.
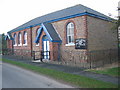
pixel 111 71
pixel 77 80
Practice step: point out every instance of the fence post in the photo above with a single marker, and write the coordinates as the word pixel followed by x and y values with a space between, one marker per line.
pixel 90 59
pixel 42 53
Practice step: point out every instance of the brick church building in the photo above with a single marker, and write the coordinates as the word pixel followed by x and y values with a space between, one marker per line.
pixel 76 28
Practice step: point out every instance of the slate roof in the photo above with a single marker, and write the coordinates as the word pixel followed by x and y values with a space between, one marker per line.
pixel 50 32
pixel 59 14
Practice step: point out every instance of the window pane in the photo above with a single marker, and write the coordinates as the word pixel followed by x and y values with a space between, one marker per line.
pixel 14 39
pixel 70 33
pixel 69 39
pixel 19 38
pixel 72 39
pixel 25 37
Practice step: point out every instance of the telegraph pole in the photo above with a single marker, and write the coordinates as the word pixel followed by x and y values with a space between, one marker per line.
pixel 119 31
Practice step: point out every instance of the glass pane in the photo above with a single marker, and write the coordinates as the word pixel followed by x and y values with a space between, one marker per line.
pixel 14 39
pixel 20 38
pixel 72 25
pixel 72 39
pixel 70 32
pixel 25 37
pixel 69 39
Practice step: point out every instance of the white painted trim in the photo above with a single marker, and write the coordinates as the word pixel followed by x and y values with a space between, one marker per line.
pixel 70 44
pixel 37 44
pixel 24 44
pixel 45 30
pixel 15 45
pixel 20 44
pixel 8 36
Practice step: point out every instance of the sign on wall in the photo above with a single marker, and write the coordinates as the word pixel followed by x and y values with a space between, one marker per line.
pixel 81 43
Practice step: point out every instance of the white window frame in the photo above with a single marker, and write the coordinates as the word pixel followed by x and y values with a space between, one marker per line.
pixel 25 35
pixel 70 34
pixel 19 39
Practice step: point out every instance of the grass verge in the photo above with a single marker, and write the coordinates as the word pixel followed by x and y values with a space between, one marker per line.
pixel 77 80
pixel 111 71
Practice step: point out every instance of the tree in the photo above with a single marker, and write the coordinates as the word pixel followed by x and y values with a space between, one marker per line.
pixel 3 43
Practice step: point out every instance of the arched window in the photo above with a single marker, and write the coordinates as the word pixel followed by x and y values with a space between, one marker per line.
pixel 15 41
pixel 19 38
pixel 70 33
pixel 25 38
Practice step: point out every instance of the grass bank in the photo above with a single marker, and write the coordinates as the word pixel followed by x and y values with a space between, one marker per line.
pixel 77 80
pixel 109 71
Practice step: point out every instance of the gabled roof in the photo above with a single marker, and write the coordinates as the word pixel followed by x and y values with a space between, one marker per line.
pixel 8 36
pixel 70 12
pixel 50 32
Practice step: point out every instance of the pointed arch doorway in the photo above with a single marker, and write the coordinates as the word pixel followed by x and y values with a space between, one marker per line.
pixel 45 47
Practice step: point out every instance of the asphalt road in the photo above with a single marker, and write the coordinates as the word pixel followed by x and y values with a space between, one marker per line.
pixel 15 77
pixel 0 75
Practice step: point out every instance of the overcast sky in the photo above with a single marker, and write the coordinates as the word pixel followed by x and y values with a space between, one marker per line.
pixel 14 13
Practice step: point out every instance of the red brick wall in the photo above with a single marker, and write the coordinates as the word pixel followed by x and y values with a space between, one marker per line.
pixel 65 31
pixel 80 30
pixel 60 26
pixel 43 33
pixel 34 34
pixel 100 34
pixel 9 44
pixel 54 50
pixel 28 46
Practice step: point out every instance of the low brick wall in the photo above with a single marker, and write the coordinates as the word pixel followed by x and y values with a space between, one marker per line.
pixel 17 53
pixel 85 59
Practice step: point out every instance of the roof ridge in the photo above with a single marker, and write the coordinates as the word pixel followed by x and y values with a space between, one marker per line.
pixel 69 11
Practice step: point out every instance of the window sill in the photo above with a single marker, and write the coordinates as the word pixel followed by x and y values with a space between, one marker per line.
pixel 19 44
pixel 24 44
pixel 15 45
pixel 70 44
pixel 37 45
